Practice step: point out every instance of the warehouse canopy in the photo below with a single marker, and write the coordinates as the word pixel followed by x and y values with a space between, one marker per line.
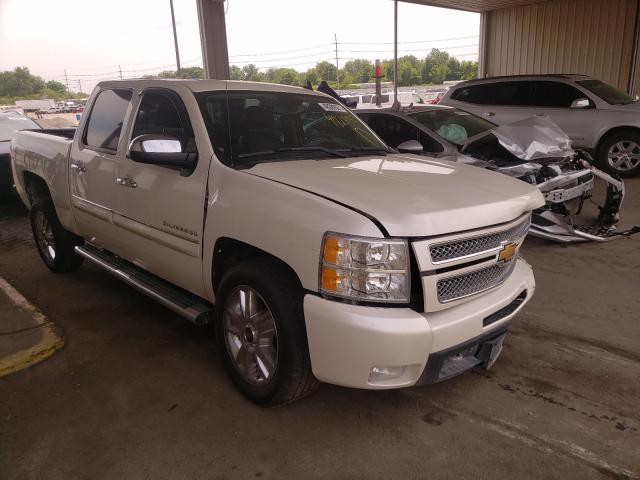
pixel 478 6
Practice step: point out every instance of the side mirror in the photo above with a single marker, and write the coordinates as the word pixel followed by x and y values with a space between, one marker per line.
pixel 581 103
pixel 161 150
pixel 410 146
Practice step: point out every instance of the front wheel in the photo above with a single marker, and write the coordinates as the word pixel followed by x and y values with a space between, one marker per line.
pixel 55 245
pixel 620 153
pixel 261 333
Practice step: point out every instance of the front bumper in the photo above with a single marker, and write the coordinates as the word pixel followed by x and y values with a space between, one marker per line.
pixel 347 341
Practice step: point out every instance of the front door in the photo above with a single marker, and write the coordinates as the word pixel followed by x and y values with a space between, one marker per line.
pixel 160 213
pixel 93 167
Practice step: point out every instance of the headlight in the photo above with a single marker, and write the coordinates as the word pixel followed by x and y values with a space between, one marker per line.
pixel 366 269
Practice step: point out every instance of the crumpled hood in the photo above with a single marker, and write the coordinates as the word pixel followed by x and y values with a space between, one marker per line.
pixel 532 138
pixel 411 195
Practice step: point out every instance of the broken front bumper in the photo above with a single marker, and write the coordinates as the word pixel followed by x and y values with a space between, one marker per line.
pixel 547 223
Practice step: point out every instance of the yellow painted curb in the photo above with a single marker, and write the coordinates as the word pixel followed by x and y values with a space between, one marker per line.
pixel 51 341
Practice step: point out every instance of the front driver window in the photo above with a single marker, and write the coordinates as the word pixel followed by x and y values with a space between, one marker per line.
pixel 163 113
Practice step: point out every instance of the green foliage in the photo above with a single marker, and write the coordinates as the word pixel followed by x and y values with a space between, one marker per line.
pixel 326 71
pixel 235 73
pixel 439 66
pixel 357 71
pixel 252 74
pixel 188 72
pixel 56 86
pixel 20 84
pixel 284 76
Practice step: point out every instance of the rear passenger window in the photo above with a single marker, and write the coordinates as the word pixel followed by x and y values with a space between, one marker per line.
pixel 516 94
pixel 106 119
pixel 555 94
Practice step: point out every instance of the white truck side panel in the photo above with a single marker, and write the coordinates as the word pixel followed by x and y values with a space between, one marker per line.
pixel 46 156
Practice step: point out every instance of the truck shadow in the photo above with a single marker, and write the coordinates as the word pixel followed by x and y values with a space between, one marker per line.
pixel 11 206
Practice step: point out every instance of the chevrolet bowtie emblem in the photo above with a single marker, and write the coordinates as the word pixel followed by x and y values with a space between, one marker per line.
pixel 507 253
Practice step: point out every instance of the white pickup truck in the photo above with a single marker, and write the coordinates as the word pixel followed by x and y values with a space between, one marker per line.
pixel 318 253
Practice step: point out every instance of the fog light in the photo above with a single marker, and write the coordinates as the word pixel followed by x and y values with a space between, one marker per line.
pixel 383 374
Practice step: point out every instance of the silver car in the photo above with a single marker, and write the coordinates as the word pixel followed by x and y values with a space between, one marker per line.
pixel 534 150
pixel 596 116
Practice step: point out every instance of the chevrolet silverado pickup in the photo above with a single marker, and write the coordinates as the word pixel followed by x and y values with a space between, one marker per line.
pixel 316 251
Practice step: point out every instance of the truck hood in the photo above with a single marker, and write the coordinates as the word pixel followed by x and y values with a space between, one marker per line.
pixel 410 195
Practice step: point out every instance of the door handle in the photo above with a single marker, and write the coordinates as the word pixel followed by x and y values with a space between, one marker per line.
pixel 126 182
pixel 489 114
pixel 78 167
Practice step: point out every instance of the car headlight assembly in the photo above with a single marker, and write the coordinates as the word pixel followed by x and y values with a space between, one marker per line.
pixel 365 269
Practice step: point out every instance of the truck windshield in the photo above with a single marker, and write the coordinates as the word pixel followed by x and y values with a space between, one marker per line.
pixel 606 92
pixel 250 127
pixel 11 123
pixel 452 124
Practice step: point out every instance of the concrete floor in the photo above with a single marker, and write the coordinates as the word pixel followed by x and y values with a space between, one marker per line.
pixel 138 393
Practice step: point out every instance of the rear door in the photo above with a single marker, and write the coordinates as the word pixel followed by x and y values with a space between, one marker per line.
pixel 499 102
pixel 161 209
pixel 93 167
pixel 553 98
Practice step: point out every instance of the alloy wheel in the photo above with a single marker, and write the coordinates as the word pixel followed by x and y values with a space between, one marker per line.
pixel 44 236
pixel 251 335
pixel 624 155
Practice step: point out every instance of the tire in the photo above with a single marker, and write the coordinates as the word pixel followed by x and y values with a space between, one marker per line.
pixel 272 329
pixel 55 245
pixel 620 153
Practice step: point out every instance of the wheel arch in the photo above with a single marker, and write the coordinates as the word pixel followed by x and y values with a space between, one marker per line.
pixel 36 187
pixel 613 131
pixel 229 251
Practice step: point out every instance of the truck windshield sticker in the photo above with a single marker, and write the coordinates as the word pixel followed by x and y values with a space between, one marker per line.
pixel 331 107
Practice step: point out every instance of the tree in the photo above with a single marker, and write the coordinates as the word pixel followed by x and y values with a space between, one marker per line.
pixel 235 73
pixel 435 65
pixel 252 74
pixel 408 71
pixel 192 72
pixel 454 71
pixel 326 71
pixel 19 83
pixel 56 86
pixel 468 70
pixel 310 76
pixel 357 71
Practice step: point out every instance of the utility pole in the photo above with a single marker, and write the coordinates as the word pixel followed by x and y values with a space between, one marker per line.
pixel 66 80
pixel 175 37
pixel 335 37
pixel 120 70
pixel 80 85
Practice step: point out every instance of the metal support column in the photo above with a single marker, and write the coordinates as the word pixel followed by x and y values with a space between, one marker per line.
pixel 213 38
pixel 396 103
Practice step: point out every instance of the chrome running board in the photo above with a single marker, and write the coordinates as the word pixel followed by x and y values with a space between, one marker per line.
pixel 185 304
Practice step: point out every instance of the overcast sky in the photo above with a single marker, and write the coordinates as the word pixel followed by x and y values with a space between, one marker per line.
pixel 91 38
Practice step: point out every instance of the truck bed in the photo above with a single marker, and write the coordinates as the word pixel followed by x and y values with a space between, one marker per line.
pixel 67 133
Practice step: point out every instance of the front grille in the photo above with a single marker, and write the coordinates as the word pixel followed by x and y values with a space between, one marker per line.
pixel 469 246
pixel 453 288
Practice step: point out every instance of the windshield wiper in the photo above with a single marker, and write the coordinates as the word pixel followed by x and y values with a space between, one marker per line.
pixel 381 150
pixel 328 151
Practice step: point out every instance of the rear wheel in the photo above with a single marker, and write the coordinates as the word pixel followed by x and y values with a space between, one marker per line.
pixel 55 245
pixel 261 333
pixel 620 153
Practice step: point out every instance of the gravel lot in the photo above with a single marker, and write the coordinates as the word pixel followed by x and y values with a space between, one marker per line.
pixel 139 393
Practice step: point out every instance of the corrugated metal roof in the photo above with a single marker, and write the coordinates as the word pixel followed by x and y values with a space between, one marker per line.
pixel 475 5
